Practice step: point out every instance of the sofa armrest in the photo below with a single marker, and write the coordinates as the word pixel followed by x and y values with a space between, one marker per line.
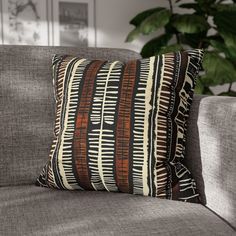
pixel 211 153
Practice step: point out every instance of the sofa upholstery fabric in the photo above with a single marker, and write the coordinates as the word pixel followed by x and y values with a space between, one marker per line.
pixel 34 211
pixel 211 153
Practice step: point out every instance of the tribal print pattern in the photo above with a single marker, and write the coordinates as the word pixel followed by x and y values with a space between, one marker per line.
pixel 122 127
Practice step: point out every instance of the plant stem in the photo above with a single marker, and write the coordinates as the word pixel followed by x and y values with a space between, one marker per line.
pixel 171 6
pixel 172 12
pixel 200 45
pixel 230 86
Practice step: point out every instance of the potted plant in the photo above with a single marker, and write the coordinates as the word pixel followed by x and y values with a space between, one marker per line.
pixel 210 24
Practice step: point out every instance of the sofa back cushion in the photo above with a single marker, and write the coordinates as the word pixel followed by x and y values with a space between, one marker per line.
pixel 27 106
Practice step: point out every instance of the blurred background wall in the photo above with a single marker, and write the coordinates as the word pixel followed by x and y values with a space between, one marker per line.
pixel 110 21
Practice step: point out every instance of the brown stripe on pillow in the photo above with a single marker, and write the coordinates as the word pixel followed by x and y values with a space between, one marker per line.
pixel 123 148
pixel 80 147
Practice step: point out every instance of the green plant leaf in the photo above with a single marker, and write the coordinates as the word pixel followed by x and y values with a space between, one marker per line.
pixel 153 46
pixel 193 6
pixel 230 52
pixel 225 7
pixel 207 91
pixel 169 29
pixel 225 21
pixel 205 6
pixel 205 2
pixel 155 21
pixel 229 38
pixel 189 23
pixel 219 45
pixel 218 70
pixel 133 35
pixel 230 45
pixel 230 93
pixel 139 18
pixel 195 40
pixel 199 88
pixel 171 48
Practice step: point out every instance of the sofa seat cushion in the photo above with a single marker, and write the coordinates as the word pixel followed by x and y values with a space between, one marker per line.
pixel 29 210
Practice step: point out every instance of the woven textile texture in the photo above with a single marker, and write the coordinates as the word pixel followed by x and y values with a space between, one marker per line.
pixel 122 126
pixel 31 211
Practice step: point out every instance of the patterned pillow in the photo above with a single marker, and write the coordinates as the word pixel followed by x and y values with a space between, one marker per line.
pixel 122 126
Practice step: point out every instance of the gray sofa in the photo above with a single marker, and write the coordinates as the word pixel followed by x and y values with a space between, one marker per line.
pixel 26 128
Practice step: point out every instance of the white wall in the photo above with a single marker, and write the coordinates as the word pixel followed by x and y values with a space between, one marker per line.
pixel 112 21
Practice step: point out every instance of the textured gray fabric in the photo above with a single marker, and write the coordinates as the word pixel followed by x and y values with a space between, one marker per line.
pixel 30 210
pixel 27 106
pixel 211 153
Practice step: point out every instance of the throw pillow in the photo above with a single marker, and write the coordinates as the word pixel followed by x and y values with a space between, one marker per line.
pixel 122 126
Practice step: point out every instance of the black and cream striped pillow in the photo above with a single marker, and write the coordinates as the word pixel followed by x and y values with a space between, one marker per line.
pixel 122 127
